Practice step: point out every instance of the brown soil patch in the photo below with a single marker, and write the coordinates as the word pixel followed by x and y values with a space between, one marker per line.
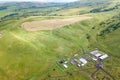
pixel 52 24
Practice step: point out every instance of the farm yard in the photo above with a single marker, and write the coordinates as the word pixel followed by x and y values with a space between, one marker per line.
pixel 82 62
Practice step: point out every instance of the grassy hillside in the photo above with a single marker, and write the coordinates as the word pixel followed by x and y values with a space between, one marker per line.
pixel 26 55
pixel 24 9
pixel 35 53
pixel 110 34
pixel 107 40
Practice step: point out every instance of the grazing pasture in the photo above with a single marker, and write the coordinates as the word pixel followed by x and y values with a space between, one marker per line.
pixel 32 43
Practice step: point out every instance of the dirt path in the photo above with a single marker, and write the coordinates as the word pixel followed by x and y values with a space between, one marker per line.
pixel 52 24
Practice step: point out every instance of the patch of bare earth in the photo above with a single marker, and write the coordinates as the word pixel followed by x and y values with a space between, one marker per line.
pixel 52 24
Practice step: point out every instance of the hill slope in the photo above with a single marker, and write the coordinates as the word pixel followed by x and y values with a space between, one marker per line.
pixel 26 55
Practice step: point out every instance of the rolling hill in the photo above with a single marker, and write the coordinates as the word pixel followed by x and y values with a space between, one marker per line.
pixel 33 55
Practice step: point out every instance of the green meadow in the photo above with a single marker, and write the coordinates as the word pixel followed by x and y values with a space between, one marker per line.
pixel 26 55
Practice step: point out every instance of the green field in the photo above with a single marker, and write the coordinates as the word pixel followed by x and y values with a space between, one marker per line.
pixel 33 49
pixel 26 55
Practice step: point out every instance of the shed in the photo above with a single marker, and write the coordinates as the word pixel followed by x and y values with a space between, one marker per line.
pixel 103 56
pixel 65 66
pixel 78 65
pixel 96 53
pixel 84 61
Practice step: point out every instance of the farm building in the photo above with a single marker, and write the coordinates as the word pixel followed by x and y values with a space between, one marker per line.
pixel 84 61
pixel 97 54
pixel 64 63
pixel 103 56
pixel 78 65
pixel 65 66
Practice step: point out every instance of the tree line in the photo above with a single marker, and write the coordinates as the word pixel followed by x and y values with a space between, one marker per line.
pixel 111 25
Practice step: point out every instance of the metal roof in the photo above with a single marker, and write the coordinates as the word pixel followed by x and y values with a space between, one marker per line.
pixel 103 56
pixel 83 60
pixel 65 65
pixel 96 53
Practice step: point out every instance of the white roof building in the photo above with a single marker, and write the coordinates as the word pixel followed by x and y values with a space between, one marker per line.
pixel 95 53
pixel 103 56
pixel 78 65
pixel 83 61
pixel 98 54
pixel 82 64
pixel 65 66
